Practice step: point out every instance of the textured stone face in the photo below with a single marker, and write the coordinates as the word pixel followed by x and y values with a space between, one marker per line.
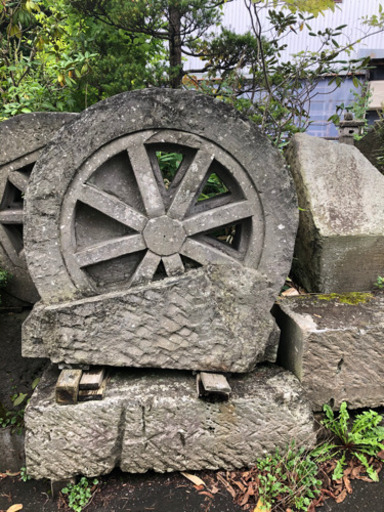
pixel 22 140
pixel 101 216
pixel 340 241
pixel 156 422
pixel 335 349
pixel 213 318
pixel 105 226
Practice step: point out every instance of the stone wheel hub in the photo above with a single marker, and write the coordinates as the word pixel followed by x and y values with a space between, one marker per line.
pixel 164 236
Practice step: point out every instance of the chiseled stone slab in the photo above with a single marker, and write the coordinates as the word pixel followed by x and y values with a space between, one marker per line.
pixel 340 241
pixel 214 318
pixel 154 421
pixel 334 348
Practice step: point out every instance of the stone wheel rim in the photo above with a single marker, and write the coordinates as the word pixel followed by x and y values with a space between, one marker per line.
pixel 166 229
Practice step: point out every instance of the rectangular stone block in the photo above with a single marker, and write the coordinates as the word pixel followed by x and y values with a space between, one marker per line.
pixel 215 318
pixel 340 241
pixel 155 421
pixel 334 345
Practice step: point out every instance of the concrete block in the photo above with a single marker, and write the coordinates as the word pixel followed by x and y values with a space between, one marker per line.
pixel 215 318
pixel 340 241
pixel 335 348
pixel 155 421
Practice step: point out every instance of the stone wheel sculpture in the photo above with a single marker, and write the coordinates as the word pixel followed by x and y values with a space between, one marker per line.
pixel 102 214
pixel 128 223
pixel 22 139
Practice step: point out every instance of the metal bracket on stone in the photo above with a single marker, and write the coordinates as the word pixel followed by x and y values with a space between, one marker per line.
pixel 74 385
pixel 212 386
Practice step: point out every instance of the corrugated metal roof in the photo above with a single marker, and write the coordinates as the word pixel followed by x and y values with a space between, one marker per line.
pixel 349 12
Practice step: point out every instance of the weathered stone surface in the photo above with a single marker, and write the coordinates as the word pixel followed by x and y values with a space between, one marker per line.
pixel 340 241
pixel 22 139
pixel 100 216
pixel 371 145
pixel 155 421
pixel 12 456
pixel 335 349
pixel 16 372
pixel 213 318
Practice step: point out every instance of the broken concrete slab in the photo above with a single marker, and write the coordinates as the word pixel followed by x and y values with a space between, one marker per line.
pixel 334 345
pixel 215 318
pixel 340 241
pixel 155 421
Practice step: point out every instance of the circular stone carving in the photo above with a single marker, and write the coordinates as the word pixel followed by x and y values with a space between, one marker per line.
pixel 101 214
pixel 164 236
pixel 22 139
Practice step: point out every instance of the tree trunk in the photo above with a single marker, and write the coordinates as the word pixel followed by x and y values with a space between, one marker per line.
pixel 176 68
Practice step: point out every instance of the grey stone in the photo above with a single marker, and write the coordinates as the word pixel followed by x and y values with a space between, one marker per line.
pixel 340 241
pixel 154 421
pixel 101 218
pixel 371 145
pixel 22 139
pixel 12 456
pixel 214 318
pixel 334 348
pixel 16 372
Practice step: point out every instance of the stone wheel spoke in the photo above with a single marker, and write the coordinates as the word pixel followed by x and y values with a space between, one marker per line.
pixel 113 207
pixel 146 180
pixel 111 249
pixel 204 253
pixel 217 217
pixel 18 179
pixel 190 185
pixel 173 265
pixel 12 216
pixel 146 269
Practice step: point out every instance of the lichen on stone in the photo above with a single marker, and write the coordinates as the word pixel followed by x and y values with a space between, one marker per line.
pixel 351 298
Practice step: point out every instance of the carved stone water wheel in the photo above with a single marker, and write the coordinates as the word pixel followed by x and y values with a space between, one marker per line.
pixel 104 212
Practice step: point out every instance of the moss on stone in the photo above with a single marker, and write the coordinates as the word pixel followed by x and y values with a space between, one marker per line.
pixel 351 298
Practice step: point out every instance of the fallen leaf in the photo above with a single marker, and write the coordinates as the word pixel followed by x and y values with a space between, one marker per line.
pixel 260 507
pixel 15 508
pixel 194 479
pixel 214 489
pixel 8 473
pixel 291 292
pixel 229 487
pixel 341 497
pixel 381 455
pixel 206 493
pixel 347 483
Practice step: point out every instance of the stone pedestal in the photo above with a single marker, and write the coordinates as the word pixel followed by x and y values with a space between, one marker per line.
pixel 334 345
pixel 154 421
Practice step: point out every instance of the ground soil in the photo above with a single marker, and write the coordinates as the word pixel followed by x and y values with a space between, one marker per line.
pixel 164 493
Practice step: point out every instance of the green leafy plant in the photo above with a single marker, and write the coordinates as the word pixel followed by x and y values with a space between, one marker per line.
pixel 24 475
pixel 380 282
pixel 14 417
pixel 79 494
pixel 361 438
pixel 290 479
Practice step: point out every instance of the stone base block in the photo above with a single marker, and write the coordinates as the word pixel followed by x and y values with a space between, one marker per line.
pixel 334 347
pixel 154 421
pixel 216 318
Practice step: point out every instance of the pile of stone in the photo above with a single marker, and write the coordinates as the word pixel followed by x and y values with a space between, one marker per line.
pixel 153 274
